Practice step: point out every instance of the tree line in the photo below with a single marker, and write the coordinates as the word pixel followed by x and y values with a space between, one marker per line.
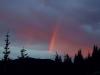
pixel 78 59
pixel 24 62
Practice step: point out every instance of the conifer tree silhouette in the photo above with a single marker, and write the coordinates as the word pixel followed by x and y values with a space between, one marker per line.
pixel 79 58
pixel 6 52
pixel 95 51
pixel 67 59
pixel 96 55
pixel 58 58
pixel 23 54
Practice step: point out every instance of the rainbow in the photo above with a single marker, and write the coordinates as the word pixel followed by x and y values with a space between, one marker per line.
pixel 53 40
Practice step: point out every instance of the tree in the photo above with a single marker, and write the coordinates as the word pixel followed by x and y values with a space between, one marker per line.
pixel 95 51
pixel 79 58
pixel 6 52
pixel 58 58
pixel 67 59
pixel 23 54
pixel 96 55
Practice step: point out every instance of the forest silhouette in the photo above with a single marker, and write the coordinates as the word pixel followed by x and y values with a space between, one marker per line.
pixel 25 64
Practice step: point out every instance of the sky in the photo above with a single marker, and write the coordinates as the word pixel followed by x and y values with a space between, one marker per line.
pixel 47 26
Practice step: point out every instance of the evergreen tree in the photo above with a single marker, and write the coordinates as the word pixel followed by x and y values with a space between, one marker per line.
pixel 96 55
pixel 23 54
pixel 95 51
pixel 67 59
pixel 79 58
pixel 58 58
pixel 6 52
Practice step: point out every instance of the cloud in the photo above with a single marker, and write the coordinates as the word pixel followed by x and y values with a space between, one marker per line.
pixel 33 21
pixel 90 29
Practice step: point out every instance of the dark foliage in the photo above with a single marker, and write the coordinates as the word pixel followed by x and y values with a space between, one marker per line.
pixel 23 54
pixel 58 58
pixel 6 52
pixel 67 59
pixel 79 58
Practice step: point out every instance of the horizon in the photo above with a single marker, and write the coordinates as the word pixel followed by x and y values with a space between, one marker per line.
pixel 44 54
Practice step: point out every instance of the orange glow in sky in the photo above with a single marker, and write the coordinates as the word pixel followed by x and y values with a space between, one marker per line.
pixel 53 40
